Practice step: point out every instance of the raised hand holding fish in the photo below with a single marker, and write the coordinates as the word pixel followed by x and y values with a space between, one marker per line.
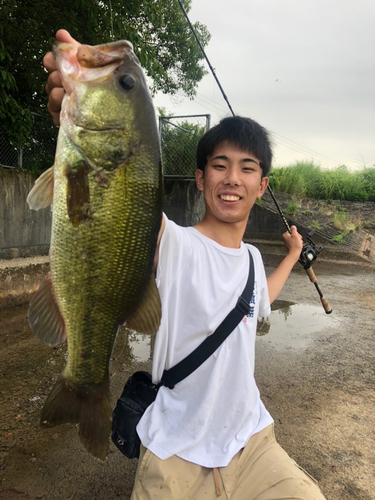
pixel 54 87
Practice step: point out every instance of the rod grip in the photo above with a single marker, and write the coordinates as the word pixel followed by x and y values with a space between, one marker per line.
pixel 326 306
pixel 310 273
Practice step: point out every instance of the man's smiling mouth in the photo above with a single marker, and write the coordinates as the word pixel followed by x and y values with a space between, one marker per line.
pixel 227 197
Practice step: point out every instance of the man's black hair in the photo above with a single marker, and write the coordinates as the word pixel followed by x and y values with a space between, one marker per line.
pixel 240 132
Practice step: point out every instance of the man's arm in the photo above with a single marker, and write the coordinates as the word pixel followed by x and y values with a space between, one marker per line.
pixel 277 279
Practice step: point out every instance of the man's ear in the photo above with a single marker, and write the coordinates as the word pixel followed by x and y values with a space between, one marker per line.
pixel 263 186
pixel 199 179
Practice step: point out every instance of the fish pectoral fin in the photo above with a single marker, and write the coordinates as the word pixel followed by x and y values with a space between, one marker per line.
pixel 41 195
pixel 78 194
pixel 44 316
pixel 90 408
pixel 147 315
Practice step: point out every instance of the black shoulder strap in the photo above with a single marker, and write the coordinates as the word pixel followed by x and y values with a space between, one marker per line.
pixel 189 364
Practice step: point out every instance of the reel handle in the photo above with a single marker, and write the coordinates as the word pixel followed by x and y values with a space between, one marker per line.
pixel 310 273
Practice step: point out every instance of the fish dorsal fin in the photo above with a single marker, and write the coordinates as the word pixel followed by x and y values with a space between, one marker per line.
pixel 41 195
pixel 44 316
pixel 146 317
pixel 78 194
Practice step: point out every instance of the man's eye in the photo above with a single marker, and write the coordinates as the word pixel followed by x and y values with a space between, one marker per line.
pixel 220 167
pixel 248 169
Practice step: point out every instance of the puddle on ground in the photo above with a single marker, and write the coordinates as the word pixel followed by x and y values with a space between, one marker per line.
pixel 140 345
pixel 293 326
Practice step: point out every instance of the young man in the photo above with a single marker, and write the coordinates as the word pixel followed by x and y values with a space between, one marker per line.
pixel 211 435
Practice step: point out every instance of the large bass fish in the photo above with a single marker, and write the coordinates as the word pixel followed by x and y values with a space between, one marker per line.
pixel 105 189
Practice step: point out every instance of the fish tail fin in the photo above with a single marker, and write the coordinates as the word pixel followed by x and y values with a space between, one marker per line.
pixel 90 409
pixel 95 422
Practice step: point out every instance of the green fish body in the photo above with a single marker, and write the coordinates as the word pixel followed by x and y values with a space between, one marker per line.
pixel 106 202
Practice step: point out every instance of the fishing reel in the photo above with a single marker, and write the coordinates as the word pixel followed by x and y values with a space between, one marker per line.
pixel 309 252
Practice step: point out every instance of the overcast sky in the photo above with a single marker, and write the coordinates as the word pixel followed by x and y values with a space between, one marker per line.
pixel 304 69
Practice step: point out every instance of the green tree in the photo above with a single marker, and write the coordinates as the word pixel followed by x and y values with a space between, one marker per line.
pixel 158 30
pixel 15 120
pixel 179 140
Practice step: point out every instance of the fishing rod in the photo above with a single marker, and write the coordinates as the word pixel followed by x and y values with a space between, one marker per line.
pixel 309 251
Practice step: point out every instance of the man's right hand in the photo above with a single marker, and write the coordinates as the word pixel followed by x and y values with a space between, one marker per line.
pixel 54 87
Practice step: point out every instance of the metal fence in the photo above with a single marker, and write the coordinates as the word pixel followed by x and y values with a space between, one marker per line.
pixel 179 136
pixel 37 154
pixel 10 156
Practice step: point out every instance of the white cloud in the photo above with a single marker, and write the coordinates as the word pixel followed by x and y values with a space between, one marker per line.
pixel 304 69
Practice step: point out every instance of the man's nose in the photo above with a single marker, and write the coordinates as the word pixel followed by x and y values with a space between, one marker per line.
pixel 232 178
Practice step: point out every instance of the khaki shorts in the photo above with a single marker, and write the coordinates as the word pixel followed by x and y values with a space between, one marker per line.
pixel 260 471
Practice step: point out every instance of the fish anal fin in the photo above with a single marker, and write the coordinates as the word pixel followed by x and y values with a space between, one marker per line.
pixel 78 194
pixel 41 195
pixel 44 316
pixel 147 315
pixel 91 409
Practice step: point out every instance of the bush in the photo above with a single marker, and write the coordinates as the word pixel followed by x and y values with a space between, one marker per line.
pixel 307 180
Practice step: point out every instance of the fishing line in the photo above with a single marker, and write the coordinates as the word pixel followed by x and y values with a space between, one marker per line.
pixel 204 53
pixel 309 252
pixel 110 8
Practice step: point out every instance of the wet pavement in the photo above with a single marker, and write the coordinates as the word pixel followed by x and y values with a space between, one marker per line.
pixel 316 375
pixel 292 326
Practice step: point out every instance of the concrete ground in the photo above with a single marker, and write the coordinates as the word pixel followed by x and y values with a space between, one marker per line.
pixel 316 377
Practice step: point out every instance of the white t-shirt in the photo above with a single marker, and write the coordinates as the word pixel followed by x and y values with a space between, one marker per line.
pixel 210 415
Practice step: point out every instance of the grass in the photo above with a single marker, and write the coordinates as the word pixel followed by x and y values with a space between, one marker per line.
pixel 308 180
pixel 340 220
pixel 315 225
pixel 340 238
pixel 292 207
pixel 343 222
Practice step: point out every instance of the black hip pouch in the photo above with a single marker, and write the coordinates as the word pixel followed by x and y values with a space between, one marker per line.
pixel 139 392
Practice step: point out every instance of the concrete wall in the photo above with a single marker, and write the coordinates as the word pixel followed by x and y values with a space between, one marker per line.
pixel 23 232
pixel 27 233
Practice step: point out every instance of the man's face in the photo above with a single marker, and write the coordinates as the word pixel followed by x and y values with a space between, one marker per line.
pixel 232 181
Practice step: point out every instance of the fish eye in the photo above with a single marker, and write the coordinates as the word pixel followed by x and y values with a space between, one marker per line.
pixel 127 82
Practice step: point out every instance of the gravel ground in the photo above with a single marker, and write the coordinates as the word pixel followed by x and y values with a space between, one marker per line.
pixel 317 381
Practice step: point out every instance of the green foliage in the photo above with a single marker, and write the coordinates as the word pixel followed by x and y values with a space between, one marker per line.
pixel 340 238
pixel 274 180
pixel 38 152
pixel 179 145
pixel 343 222
pixel 315 225
pixel 158 30
pixel 340 219
pixel 16 121
pixel 307 180
pixel 292 207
